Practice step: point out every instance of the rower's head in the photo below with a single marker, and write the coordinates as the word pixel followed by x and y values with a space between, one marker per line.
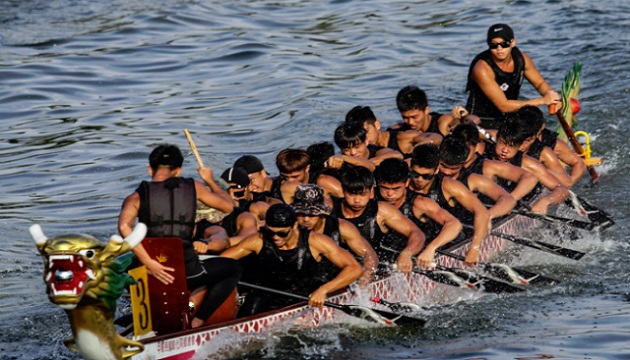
pixel 293 164
pixel 510 137
pixel 453 154
pixel 470 135
pixel 351 138
pixel 358 186
pixel 255 171
pixel 309 205
pixel 413 106
pixel 166 157
pixel 500 40
pixel 281 224
pixel 425 161
pixel 392 176
pixel 320 153
pixel 365 116
pixel 532 120
pixel 238 180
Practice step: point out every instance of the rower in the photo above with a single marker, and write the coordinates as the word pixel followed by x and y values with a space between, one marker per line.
pixel 521 182
pixel 376 218
pixel 540 145
pixel 289 256
pixel 314 214
pixel 495 77
pixel 509 140
pixel 150 205
pixel 260 181
pixel 351 138
pixel 438 225
pixel 399 140
pixel 450 194
pixel 294 167
pixel 240 223
pixel 453 154
pixel 416 114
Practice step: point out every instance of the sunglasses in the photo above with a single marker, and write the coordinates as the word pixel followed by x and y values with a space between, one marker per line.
pixel 415 175
pixel 503 44
pixel 268 233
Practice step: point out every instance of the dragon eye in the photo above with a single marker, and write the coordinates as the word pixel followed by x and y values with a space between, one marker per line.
pixel 87 253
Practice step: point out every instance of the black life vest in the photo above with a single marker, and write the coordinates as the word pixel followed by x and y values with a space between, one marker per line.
pixel 168 209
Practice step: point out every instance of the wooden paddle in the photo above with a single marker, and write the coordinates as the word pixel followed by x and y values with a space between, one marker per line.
pixel 362 312
pixel 193 147
pixel 507 273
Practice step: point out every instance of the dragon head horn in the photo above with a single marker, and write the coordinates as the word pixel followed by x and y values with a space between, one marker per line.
pixel 133 239
pixel 38 234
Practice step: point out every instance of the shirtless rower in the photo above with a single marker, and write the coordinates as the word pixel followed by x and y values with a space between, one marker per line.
pixel 150 205
pixel 450 194
pixel 495 77
pixel 376 218
pixel 438 225
pixel 289 255
pixel 314 214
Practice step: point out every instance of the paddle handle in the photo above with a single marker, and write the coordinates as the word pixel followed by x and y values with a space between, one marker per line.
pixel 553 108
pixel 193 147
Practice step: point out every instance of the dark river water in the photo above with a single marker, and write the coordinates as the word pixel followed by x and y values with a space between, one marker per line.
pixel 88 88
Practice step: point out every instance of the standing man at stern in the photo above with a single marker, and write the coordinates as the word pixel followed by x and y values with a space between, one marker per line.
pixel 495 78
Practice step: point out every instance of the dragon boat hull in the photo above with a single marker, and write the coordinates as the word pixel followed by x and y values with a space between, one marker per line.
pixel 397 287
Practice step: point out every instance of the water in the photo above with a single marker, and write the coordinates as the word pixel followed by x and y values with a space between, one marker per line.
pixel 89 88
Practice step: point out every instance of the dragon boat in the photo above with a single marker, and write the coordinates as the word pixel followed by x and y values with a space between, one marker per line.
pixel 410 288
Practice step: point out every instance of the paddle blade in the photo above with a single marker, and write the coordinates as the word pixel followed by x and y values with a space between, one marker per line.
pixel 380 316
pixel 517 276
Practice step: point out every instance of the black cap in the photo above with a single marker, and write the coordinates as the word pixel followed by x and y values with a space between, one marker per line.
pixel 250 163
pixel 236 175
pixel 502 31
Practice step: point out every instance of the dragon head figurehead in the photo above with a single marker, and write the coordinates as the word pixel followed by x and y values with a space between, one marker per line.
pixel 85 276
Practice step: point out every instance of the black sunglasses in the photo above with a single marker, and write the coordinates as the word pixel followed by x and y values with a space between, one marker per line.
pixel 415 175
pixel 504 44
pixel 268 233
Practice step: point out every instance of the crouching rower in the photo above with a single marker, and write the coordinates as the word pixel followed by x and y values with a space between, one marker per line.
pixel 509 140
pixel 450 194
pixel 438 225
pixel 289 256
pixel 376 218
pixel 314 214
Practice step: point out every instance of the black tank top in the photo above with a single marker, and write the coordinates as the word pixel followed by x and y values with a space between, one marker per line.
pixel 436 193
pixel 366 222
pixel 478 103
